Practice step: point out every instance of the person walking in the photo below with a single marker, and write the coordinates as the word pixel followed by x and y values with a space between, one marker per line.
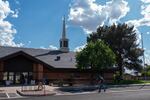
pixel 101 84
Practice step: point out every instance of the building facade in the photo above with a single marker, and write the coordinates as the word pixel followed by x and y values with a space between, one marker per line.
pixel 22 65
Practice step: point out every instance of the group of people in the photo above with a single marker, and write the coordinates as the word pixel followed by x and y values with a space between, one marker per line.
pixel 25 79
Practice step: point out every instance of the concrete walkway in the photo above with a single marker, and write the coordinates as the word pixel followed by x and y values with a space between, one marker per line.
pixel 33 91
pixel 15 91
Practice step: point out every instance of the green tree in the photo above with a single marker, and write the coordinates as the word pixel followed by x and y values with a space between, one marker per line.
pixel 95 56
pixel 146 71
pixel 122 39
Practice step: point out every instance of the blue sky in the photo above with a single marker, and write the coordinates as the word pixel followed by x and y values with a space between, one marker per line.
pixel 41 23
pixel 38 23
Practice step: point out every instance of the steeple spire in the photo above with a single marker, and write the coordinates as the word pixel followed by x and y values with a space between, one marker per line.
pixel 64 28
pixel 64 42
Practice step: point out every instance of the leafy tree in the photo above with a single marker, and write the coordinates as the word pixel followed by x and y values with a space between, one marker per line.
pixel 95 56
pixel 122 39
pixel 146 71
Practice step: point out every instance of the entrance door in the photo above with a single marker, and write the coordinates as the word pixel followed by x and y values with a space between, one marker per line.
pixel 18 77
pixel 23 77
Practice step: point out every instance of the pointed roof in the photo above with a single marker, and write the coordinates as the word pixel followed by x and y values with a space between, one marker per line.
pixel 64 29
pixel 64 41
pixel 48 57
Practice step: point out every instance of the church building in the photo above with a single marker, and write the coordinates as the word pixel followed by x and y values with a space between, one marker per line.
pixel 54 66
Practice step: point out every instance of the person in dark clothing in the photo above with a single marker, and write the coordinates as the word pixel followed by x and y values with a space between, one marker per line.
pixel 22 79
pixel 101 84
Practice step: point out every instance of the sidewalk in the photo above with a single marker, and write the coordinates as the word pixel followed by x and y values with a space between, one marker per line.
pixel 17 89
pixel 36 93
pixel 32 91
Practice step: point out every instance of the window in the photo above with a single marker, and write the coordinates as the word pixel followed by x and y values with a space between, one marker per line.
pixel 5 76
pixel 65 43
pixel 11 75
pixel 60 43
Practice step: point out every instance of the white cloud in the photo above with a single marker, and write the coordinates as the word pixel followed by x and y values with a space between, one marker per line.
pixel 15 13
pixel 7 31
pixel 145 11
pixel 117 9
pixel 17 2
pixel 146 1
pixel 138 35
pixel 134 22
pixel 29 42
pixel 51 47
pixel 79 48
pixel 147 33
pixel 42 47
pixel 88 14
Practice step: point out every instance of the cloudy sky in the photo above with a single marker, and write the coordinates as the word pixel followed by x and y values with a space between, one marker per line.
pixel 38 23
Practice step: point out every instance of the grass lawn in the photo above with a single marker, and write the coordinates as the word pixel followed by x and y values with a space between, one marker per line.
pixel 133 82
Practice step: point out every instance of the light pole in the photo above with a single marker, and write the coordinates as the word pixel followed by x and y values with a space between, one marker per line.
pixel 143 54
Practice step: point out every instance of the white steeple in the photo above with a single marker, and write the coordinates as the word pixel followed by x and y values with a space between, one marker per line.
pixel 64 42
pixel 64 29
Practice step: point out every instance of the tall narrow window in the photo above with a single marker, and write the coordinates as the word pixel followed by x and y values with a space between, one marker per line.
pixel 65 43
pixel 60 43
pixel 5 76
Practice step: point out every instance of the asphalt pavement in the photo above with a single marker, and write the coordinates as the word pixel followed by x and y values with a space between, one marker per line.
pixel 141 92
pixel 121 94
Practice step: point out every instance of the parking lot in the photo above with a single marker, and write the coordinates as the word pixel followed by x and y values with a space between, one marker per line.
pixel 5 95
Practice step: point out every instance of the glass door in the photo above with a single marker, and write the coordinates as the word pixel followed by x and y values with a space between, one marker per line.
pixel 17 78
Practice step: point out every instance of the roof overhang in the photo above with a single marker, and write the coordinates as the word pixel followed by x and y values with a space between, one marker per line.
pixel 28 56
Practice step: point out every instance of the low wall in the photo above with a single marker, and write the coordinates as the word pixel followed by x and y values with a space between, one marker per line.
pixel 75 78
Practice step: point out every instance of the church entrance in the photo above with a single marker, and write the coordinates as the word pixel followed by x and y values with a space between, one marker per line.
pixel 17 77
pixel 18 70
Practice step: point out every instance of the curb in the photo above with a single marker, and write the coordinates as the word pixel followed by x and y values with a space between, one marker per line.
pixel 110 86
pixel 46 94
pixel 128 85
pixel 94 87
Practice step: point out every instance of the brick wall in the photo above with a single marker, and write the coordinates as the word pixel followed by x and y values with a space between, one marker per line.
pixel 109 77
pixel 75 76
pixel 1 70
pixel 37 71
